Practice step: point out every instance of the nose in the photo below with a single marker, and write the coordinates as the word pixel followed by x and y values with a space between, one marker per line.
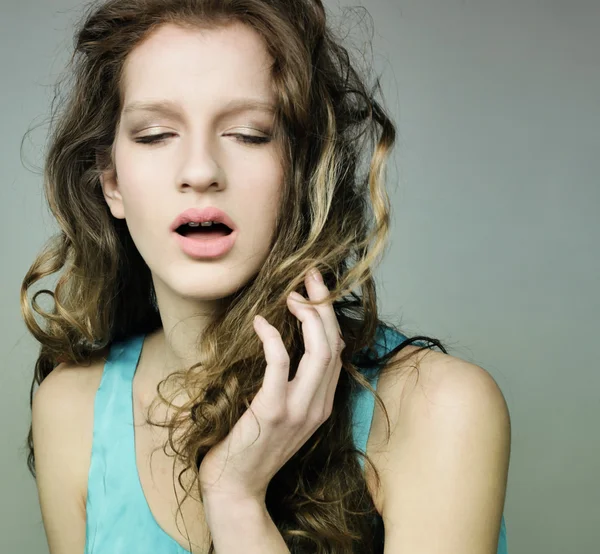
pixel 199 168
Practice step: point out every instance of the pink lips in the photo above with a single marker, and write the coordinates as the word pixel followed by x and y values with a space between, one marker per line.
pixel 206 248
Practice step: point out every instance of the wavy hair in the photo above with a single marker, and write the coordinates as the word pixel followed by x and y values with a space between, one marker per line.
pixel 336 218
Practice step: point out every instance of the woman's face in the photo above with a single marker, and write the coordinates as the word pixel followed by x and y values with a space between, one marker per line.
pixel 196 79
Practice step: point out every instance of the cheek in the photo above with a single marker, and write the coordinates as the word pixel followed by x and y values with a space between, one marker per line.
pixel 141 207
pixel 258 186
pixel 138 202
pixel 137 168
pixel 138 184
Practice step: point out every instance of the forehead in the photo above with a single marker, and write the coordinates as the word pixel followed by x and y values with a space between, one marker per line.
pixel 199 64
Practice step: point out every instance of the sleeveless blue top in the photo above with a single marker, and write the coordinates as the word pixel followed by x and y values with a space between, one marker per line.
pixel 118 518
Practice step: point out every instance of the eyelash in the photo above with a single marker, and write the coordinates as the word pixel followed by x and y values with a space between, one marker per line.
pixel 245 139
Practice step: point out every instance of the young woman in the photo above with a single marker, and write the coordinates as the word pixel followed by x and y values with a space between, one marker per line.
pixel 210 387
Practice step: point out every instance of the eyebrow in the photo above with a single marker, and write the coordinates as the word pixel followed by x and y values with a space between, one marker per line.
pixel 169 108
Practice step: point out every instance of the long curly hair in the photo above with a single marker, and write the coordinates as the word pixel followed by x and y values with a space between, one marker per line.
pixel 336 218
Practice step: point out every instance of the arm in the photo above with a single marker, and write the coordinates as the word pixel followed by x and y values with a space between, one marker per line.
pixel 62 416
pixel 445 475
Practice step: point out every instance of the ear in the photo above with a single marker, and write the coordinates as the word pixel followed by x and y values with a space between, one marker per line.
pixel 112 195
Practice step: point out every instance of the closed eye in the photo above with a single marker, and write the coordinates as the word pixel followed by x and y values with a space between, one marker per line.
pixel 251 139
pixel 152 139
pixel 246 139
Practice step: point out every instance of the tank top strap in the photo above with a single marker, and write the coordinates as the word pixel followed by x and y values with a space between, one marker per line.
pixel 362 400
pixel 112 476
pixel 113 404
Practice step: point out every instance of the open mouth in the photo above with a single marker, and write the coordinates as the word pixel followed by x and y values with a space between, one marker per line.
pixel 215 230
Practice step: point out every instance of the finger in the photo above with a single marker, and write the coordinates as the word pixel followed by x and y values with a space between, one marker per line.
pixel 317 290
pixel 275 381
pixel 332 386
pixel 313 369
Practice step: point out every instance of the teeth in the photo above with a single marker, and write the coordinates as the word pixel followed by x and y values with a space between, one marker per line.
pixel 204 223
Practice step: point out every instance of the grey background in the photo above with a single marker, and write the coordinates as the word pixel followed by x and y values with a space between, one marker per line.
pixel 494 246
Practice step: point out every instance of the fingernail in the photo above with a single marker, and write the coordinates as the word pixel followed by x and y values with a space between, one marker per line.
pixel 316 275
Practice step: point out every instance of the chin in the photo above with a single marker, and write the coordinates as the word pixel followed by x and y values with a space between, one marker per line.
pixel 207 284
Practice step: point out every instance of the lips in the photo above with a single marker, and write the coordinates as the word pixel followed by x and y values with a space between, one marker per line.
pixel 200 215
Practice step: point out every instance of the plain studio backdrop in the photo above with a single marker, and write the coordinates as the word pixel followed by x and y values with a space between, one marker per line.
pixel 495 239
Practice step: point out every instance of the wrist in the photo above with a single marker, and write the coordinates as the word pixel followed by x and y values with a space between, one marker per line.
pixel 220 508
pixel 221 499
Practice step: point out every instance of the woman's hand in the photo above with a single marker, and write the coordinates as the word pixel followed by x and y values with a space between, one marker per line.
pixel 240 467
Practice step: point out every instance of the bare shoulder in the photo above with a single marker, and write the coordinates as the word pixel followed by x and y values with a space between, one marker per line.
pixel 429 395
pixel 62 428
pixel 63 410
pixel 427 376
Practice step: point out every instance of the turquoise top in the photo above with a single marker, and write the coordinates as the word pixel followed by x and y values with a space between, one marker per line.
pixel 118 518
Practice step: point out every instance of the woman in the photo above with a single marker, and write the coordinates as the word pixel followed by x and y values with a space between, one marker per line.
pixel 205 162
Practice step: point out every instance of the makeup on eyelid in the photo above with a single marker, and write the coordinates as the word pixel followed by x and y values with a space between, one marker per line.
pixel 140 119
